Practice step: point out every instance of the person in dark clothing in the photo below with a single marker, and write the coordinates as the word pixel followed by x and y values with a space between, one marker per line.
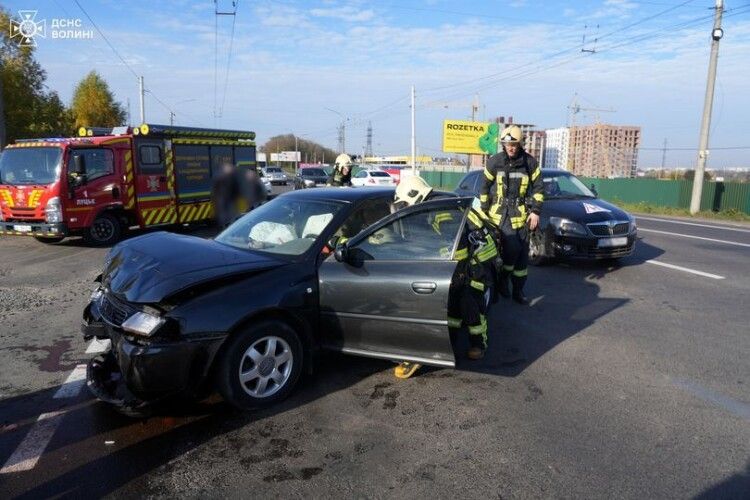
pixel 225 192
pixel 342 171
pixel 253 191
pixel 514 208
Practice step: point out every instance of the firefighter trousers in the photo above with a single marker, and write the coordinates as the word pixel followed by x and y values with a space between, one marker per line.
pixel 467 307
pixel 515 252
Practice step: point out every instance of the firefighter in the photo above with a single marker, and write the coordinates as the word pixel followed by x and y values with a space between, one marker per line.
pixel 342 172
pixel 467 298
pixel 514 208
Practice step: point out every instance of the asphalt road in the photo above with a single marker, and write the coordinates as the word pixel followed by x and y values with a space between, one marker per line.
pixel 627 381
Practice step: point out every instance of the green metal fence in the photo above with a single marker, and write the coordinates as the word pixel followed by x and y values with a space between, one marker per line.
pixel 717 196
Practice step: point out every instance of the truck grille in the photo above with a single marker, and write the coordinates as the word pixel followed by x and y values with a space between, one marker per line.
pixel 115 311
pixel 619 228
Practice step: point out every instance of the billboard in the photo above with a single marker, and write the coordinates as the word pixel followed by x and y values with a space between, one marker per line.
pixel 286 156
pixel 461 136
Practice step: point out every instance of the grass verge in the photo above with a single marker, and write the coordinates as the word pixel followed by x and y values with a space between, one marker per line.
pixel 647 208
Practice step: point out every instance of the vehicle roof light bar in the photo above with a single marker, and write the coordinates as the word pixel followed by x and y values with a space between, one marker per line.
pixel 173 131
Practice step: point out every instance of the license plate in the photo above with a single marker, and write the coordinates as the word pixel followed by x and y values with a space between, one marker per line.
pixel 613 242
pixel 22 228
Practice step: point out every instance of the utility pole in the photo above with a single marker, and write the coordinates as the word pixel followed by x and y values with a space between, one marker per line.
pixel 143 96
pixel 413 135
pixel 2 110
pixel 716 34
pixel 296 154
pixel 664 154
pixel 171 117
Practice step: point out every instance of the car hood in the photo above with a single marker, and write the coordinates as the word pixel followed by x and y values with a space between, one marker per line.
pixel 583 210
pixel 150 268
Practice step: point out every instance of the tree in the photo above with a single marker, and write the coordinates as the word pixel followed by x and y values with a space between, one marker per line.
pixel 309 150
pixel 689 175
pixel 29 110
pixel 94 104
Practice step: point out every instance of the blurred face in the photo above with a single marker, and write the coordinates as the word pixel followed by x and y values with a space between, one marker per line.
pixel 511 148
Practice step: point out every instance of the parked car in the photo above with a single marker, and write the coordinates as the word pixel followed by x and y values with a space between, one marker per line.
pixel 371 178
pixel 246 312
pixel 310 177
pixel 574 222
pixel 276 175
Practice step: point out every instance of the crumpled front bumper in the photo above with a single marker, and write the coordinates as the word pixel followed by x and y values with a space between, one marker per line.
pixel 135 374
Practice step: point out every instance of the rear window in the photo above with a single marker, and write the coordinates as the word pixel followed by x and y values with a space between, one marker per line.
pixel 378 173
pixel 310 172
pixel 273 170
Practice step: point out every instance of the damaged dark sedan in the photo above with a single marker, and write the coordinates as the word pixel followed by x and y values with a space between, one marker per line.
pixel 246 313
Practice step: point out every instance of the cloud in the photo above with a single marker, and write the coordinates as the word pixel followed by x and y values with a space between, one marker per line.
pixel 348 13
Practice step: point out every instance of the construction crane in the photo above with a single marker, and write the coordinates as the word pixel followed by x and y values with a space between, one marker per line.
pixel 574 108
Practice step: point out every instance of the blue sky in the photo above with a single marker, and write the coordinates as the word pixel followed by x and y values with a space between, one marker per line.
pixel 293 59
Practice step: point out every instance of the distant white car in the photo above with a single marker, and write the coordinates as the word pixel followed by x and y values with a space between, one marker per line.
pixel 276 175
pixel 373 178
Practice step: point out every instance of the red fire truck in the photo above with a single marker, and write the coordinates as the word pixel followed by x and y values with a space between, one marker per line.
pixel 108 180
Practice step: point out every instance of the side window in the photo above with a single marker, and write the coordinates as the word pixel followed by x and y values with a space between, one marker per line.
pixel 427 234
pixel 364 216
pixel 150 157
pixel 477 182
pixel 361 175
pixel 99 162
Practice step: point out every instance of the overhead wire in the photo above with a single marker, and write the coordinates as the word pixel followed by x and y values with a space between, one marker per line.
pixel 229 57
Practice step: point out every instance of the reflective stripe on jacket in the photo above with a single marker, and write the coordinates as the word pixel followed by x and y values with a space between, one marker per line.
pixel 519 184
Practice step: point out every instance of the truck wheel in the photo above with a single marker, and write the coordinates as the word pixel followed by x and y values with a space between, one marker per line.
pixel 260 365
pixel 56 239
pixel 106 230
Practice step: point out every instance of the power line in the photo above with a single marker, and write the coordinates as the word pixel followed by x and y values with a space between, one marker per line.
pixel 229 57
pixel 106 39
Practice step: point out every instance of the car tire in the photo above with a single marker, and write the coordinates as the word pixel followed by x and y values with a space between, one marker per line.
pixel 49 241
pixel 537 243
pixel 104 231
pixel 260 365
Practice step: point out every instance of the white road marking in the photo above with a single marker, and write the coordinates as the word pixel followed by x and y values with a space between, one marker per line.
pixel 695 237
pixel 33 445
pixel 640 217
pixel 686 269
pixel 732 405
pixel 28 453
pixel 98 347
pixel 73 384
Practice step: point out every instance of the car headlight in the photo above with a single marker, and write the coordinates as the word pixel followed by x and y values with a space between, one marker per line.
pixel 96 294
pixel 142 323
pixel 633 225
pixel 309 183
pixel 566 226
pixel 53 211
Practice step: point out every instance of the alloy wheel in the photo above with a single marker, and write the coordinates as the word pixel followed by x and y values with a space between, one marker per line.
pixel 266 366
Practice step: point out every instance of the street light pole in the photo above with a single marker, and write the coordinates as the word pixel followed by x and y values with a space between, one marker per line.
pixel 296 155
pixel 716 34
pixel 143 98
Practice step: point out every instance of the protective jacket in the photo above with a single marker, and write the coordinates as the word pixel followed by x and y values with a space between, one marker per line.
pixel 518 189
pixel 475 253
pixel 339 178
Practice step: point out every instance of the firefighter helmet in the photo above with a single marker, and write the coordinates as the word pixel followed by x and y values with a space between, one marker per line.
pixel 412 190
pixel 343 160
pixel 511 133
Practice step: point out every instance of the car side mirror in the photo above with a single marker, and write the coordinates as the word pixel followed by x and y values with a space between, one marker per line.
pixel 593 190
pixel 79 165
pixel 341 254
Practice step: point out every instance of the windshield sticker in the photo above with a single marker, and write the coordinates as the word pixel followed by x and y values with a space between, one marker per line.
pixel 592 209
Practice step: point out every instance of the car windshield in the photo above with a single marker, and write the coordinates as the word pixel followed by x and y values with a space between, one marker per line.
pixel 378 173
pixel 565 186
pixel 282 226
pixel 313 172
pixel 30 165
pixel 272 170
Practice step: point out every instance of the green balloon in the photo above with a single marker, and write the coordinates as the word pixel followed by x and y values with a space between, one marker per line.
pixel 488 142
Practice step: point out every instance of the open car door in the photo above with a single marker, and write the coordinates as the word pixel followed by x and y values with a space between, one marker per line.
pixel 387 297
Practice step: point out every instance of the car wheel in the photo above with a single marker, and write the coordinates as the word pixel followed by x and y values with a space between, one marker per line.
pixel 260 366
pixel 56 239
pixel 536 249
pixel 105 231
